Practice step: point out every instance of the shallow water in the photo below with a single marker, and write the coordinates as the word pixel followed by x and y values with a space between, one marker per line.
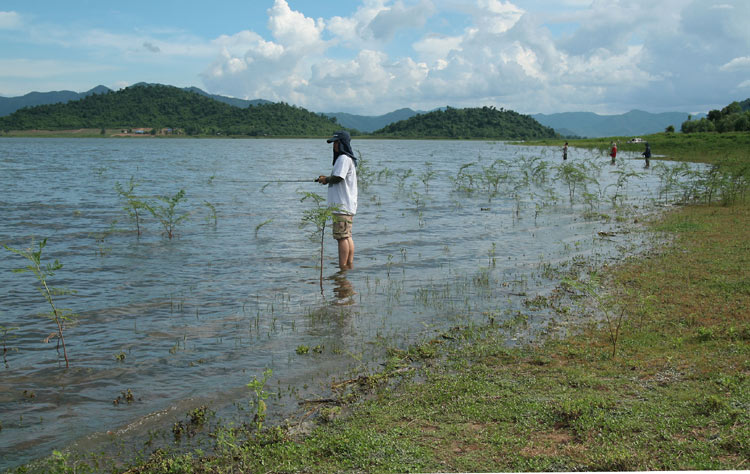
pixel 199 315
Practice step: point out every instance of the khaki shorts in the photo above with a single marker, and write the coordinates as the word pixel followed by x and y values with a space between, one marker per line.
pixel 342 226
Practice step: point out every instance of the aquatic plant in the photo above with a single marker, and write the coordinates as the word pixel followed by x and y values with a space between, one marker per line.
pixel 418 199
pixel 385 173
pixel 365 174
pixel 167 213
pixel 494 175
pixel 101 239
pixel 259 226
pixel 260 396
pixel 318 216
pixel 668 178
pixel 6 336
pixel 133 203
pixel 43 272
pixel 212 212
pixel 402 176
pixel 426 176
pixel 464 181
pixel 539 172
pixel 195 419
pixel 574 176
pixel 623 175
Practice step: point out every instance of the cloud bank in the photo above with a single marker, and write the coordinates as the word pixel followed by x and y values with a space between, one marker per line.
pixel 606 56
pixel 610 56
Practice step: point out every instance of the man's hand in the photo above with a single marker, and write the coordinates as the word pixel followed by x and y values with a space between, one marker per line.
pixel 323 179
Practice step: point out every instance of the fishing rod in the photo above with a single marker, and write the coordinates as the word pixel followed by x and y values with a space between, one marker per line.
pixel 275 181
pixel 283 181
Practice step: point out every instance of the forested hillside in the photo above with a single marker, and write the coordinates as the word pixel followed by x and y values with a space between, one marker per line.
pixel 485 122
pixel 158 106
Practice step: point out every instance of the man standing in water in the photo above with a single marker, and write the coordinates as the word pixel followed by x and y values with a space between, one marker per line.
pixel 647 155
pixel 342 194
pixel 613 153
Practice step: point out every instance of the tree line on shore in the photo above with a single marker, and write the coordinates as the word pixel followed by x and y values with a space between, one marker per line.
pixel 158 107
pixel 735 117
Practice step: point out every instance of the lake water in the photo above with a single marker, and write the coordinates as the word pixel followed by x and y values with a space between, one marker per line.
pixel 237 289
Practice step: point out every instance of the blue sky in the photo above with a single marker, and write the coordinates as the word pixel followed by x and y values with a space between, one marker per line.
pixel 374 56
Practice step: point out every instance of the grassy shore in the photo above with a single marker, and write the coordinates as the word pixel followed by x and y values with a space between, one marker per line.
pixel 662 384
pixel 676 395
pixel 693 147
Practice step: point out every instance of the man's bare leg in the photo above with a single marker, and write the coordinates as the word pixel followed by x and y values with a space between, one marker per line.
pixel 350 259
pixel 346 253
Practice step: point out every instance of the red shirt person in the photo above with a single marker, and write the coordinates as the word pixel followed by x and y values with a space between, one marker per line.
pixel 613 153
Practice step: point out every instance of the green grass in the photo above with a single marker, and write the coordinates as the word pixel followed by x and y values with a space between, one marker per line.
pixel 702 147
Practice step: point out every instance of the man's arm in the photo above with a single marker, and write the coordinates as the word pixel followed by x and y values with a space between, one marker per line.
pixel 329 179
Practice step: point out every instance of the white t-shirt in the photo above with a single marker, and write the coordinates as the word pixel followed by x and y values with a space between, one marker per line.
pixel 344 193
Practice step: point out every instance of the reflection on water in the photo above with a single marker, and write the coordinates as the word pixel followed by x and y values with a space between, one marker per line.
pixel 446 232
pixel 343 289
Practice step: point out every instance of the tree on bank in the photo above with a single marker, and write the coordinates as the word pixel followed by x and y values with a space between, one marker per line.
pixel 735 117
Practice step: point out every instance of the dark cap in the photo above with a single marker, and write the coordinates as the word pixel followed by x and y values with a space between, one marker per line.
pixel 340 135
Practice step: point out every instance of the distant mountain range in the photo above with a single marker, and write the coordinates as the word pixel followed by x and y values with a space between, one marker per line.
pixel 242 103
pixel 369 124
pixel 582 124
pixel 8 105
pixel 635 122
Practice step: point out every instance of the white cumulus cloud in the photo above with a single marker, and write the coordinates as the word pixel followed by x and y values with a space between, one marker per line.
pixel 737 64
pixel 607 56
pixel 390 20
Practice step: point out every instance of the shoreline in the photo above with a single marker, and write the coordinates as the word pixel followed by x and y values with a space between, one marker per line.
pixel 464 401
pixel 485 384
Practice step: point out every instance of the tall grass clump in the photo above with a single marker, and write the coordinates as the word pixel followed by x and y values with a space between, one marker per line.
pixel 728 182
pixel 613 314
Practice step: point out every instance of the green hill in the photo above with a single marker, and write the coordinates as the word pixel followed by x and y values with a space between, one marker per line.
pixel 159 106
pixel 485 122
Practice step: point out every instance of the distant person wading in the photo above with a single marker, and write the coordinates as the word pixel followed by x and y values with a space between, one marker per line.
pixel 342 195
pixel 613 153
